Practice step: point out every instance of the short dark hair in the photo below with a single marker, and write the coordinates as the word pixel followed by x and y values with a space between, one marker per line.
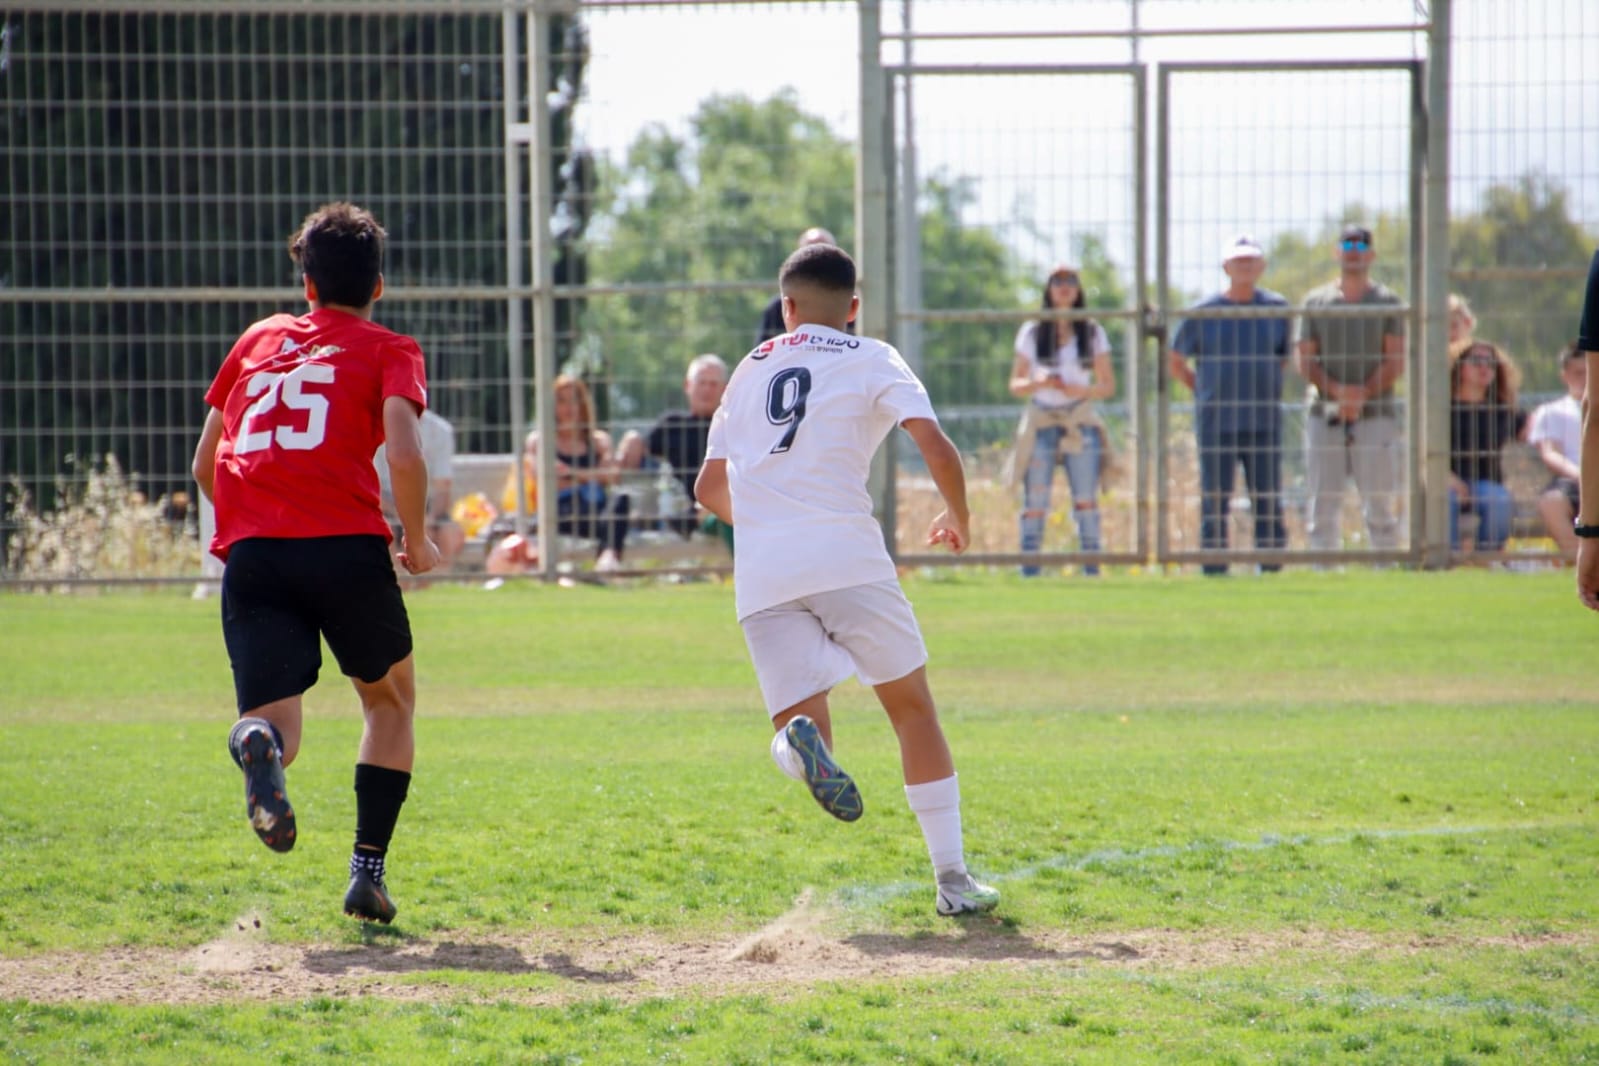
pixel 826 266
pixel 339 247
pixel 1354 231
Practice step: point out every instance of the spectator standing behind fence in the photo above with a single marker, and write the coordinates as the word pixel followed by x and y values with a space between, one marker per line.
pixel 815 589
pixel 677 439
pixel 438 448
pixel 772 317
pixel 1060 369
pixel 584 472
pixel 1587 527
pixel 297 410
pixel 1237 383
pixel 1556 431
pixel 1482 419
pixel 1352 426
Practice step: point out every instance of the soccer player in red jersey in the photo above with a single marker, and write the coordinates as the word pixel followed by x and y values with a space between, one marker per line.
pixel 297 410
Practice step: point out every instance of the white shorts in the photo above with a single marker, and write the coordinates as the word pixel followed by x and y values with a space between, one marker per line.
pixel 808 645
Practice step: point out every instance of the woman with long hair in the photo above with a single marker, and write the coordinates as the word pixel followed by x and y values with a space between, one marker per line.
pixel 1483 418
pixel 585 470
pixel 1061 368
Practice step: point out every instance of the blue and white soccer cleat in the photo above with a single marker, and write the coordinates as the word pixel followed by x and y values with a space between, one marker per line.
pixel 827 781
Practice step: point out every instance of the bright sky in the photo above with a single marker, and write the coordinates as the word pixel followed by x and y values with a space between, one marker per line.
pixel 1250 152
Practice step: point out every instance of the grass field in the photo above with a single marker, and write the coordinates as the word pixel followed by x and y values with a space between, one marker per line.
pixel 1314 818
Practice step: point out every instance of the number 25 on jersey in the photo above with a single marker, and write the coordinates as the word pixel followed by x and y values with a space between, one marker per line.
pixel 257 432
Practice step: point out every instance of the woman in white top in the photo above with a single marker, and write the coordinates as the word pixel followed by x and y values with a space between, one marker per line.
pixel 1061 368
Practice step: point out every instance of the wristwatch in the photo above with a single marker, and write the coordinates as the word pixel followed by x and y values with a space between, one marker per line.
pixel 1584 531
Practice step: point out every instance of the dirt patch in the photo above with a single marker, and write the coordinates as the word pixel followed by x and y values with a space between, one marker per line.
pixel 794 952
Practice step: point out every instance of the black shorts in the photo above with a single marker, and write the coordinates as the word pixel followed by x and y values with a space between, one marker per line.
pixel 1572 490
pixel 280 597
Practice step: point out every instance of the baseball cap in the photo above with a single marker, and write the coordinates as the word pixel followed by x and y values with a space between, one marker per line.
pixel 1242 246
pixel 1353 232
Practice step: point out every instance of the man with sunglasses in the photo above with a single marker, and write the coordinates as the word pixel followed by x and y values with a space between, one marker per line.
pixel 1352 363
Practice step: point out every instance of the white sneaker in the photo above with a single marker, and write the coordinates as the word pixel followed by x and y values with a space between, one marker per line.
pixel 961 894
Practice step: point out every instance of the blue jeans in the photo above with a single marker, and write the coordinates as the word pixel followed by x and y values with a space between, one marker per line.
pixel 1082 473
pixel 1260 454
pixel 1491 503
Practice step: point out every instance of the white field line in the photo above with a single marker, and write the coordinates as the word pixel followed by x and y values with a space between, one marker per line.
pixel 870 895
pixel 1357 999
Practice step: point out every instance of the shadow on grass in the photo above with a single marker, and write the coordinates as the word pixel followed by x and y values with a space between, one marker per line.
pixel 986 939
pixel 474 958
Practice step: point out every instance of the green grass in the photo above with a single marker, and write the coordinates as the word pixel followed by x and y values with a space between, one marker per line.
pixel 1316 817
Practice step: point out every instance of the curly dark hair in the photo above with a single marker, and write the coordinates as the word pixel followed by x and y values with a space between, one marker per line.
pixel 339 247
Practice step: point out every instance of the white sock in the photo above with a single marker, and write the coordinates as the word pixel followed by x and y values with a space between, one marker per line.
pixel 937 806
pixel 786 758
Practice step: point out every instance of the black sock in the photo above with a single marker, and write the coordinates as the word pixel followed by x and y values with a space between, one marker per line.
pixel 379 794
pixel 241 727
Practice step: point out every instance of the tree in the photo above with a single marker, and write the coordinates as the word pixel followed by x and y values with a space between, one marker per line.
pixel 1522 229
pixel 724 201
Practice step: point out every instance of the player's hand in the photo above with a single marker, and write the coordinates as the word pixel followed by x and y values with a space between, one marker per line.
pixel 1588 572
pixel 419 558
pixel 945 530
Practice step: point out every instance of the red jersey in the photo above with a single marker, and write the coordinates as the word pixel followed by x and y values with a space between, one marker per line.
pixel 302 413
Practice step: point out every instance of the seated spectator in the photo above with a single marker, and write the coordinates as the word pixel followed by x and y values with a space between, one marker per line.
pixel 677 440
pixel 438 449
pixel 584 470
pixel 1482 420
pixel 1556 430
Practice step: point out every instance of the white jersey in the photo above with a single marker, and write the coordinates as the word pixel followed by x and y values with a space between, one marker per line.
pixel 802 416
pixel 1560 421
pixel 1067 362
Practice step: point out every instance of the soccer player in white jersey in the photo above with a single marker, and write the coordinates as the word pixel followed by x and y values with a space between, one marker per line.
pixel 815 588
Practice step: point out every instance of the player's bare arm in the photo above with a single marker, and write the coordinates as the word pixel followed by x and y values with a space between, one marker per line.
pixel 1180 370
pixel 408 473
pixel 205 452
pixel 952 526
pixel 710 489
pixel 1588 547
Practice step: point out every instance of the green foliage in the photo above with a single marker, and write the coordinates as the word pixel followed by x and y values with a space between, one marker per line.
pixel 725 200
pixel 1523 228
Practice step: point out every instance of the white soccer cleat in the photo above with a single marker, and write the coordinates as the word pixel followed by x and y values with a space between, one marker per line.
pixel 961 894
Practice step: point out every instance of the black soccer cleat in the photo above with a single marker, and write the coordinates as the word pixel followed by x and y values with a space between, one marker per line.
pixel 266 800
pixel 367 898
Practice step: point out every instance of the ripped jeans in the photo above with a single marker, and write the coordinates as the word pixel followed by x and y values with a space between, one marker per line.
pixel 1082 474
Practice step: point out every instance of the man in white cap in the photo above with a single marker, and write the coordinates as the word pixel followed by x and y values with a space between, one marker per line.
pixel 1237 381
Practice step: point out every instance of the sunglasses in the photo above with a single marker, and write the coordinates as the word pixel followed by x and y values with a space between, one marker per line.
pixel 1482 359
pixel 1355 246
pixel 1063 279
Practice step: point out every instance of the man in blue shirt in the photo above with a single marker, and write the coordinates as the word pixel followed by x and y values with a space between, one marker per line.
pixel 1237 381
